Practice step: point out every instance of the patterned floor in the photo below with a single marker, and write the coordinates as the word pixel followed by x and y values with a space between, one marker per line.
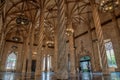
pixel 52 76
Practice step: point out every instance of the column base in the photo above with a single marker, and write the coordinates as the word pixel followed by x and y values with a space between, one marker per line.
pixel 73 74
pixel 62 75
pixel 108 71
pixel 38 73
pixel 105 71
pixel 23 72
pixel 117 70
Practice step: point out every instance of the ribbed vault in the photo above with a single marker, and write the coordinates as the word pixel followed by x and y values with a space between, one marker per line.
pixel 78 10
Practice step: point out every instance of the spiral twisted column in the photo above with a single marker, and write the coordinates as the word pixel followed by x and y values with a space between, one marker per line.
pixel 117 30
pixel 99 34
pixel 40 41
pixel 61 42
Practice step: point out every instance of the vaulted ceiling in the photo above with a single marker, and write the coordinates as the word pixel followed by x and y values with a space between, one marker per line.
pixel 78 10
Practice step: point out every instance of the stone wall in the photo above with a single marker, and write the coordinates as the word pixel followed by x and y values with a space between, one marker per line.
pixel 109 33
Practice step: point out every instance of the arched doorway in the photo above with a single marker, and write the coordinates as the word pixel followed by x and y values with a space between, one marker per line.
pixel 11 62
pixel 47 64
pixel 85 68
pixel 47 68
pixel 85 65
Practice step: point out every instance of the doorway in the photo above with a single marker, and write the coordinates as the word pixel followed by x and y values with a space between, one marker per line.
pixel 85 68
pixel 85 64
pixel 33 65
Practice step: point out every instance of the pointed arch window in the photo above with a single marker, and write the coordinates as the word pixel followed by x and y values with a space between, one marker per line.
pixel 11 61
pixel 110 54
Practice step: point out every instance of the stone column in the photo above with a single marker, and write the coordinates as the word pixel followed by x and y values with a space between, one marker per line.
pixel 4 57
pixel 99 34
pixel 72 55
pixel 61 42
pixel 25 58
pixel 2 34
pixel 71 47
pixel 70 35
pixel 39 63
pixel 31 42
pixel 23 53
pixel 2 46
pixel 2 42
pixel 2 31
pixel 117 30
pixel 40 41
pixel 26 41
pixel 55 52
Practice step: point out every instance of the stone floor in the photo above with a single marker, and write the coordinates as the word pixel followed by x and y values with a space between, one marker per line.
pixel 52 76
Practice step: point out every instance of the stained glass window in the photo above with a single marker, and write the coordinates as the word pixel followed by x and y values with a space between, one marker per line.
pixel 110 54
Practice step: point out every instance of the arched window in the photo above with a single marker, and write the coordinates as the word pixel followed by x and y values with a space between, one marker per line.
pixel 47 63
pixel 110 54
pixel 44 62
pixel 11 61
